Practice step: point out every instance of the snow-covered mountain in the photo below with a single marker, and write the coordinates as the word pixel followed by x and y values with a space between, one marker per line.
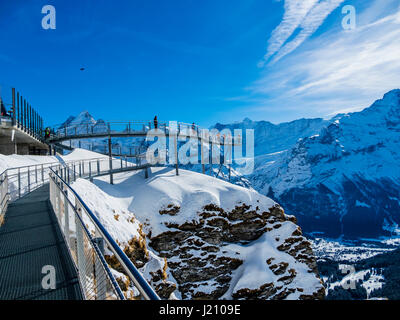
pixel 345 179
pixel 270 138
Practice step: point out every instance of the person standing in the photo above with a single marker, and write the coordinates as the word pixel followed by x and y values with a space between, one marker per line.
pixel 155 122
pixel 3 108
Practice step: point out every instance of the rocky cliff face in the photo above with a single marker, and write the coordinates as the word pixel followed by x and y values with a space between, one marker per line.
pixel 206 256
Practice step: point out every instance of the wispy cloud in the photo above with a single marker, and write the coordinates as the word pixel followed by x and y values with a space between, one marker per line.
pixel 301 16
pixel 295 12
pixel 335 71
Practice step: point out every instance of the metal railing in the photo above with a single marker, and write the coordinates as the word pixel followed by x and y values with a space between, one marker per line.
pixel 85 237
pixel 140 127
pixel 23 180
pixel 21 113
pixel 4 195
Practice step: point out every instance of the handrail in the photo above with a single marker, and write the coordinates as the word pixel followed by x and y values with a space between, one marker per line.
pixel 24 179
pixel 141 284
pixel 4 195
pixel 100 292
pixel 57 163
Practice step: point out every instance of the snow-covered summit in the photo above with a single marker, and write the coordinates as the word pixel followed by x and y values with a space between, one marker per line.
pixel 272 138
pixel 82 118
pixel 352 160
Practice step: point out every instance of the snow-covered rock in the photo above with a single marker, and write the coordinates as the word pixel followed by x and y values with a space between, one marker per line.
pixel 204 238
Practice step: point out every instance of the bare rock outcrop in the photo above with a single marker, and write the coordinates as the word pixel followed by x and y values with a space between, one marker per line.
pixel 205 256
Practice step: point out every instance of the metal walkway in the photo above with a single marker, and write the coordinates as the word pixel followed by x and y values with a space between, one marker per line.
pixel 30 239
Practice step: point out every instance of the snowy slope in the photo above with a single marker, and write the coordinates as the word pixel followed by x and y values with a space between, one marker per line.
pixel 344 180
pixel 219 240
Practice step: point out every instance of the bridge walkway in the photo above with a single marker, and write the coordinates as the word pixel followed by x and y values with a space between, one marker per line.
pixel 30 239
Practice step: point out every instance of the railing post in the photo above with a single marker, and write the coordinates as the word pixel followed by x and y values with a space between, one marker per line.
pixel 100 274
pixel 36 181
pixel 210 155
pixel 110 159
pixel 42 174
pixel 79 247
pixel 58 192
pixel 14 116
pixel 29 180
pixel 68 174
pixel 90 169
pixel 98 166
pixel 176 155
pixel 18 112
pixel 203 167
pixel 66 224
pixel 19 183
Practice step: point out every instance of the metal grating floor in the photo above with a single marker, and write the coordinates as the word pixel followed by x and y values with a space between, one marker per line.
pixel 30 239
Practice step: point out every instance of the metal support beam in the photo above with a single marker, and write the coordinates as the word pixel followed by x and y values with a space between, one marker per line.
pixel 14 116
pixel 176 155
pixel 110 159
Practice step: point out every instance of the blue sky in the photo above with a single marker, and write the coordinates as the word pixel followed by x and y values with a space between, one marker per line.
pixel 202 61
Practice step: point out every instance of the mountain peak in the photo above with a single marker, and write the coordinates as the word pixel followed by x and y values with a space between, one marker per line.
pixel 390 99
pixel 84 117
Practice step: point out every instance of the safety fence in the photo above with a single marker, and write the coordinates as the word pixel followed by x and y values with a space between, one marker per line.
pixel 87 239
pixel 138 128
pixel 123 127
pixel 4 196
pixel 23 180
pixel 20 112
